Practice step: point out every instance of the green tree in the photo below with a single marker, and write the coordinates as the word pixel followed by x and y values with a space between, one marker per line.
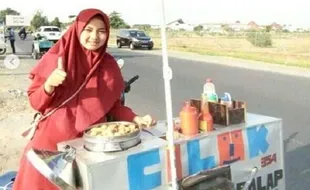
pixel 116 21
pixel 198 28
pixel 56 22
pixel 227 28
pixel 7 11
pixel 259 39
pixel 39 20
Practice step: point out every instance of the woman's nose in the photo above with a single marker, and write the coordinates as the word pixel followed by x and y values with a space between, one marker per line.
pixel 93 35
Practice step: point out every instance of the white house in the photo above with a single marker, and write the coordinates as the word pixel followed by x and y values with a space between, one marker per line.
pixel 213 27
pixel 237 27
pixel 155 26
pixel 180 25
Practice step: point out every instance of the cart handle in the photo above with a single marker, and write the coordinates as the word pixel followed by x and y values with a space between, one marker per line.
pixel 253 174
pixel 6 187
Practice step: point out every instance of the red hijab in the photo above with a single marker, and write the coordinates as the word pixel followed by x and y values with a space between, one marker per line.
pixel 105 82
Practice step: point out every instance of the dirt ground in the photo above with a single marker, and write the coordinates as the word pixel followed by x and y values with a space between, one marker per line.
pixel 15 113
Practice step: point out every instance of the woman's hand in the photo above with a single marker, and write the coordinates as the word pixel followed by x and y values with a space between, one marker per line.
pixel 56 78
pixel 146 121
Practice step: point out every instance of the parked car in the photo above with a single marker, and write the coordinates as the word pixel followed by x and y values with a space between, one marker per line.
pixel 2 41
pixel 134 38
pixel 52 33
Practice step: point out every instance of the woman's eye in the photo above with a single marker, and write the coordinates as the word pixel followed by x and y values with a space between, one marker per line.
pixel 88 30
pixel 102 32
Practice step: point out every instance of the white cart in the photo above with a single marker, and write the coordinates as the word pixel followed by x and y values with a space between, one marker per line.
pixel 253 152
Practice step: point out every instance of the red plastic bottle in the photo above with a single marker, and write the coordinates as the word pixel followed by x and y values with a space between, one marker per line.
pixel 205 118
pixel 206 121
pixel 189 120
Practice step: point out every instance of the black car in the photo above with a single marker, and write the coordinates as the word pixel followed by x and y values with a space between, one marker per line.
pixel 134 39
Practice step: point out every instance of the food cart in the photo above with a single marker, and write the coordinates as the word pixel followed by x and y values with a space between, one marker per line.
pixel 247 154
pixel 252 151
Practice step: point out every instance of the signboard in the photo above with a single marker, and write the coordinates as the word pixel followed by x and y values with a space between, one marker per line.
pixel 264 150
pixel 15 20
pixel 243 149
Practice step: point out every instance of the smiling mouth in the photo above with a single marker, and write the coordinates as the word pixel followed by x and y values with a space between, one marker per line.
pixel 93 43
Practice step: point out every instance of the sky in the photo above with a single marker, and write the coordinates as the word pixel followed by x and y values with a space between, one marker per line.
pixel 295 12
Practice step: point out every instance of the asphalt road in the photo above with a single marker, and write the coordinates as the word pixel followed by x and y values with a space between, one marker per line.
pixel 269 94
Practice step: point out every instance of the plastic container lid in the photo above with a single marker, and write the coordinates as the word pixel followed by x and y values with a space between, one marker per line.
pixel 188 107
pixel 209 80
pixel 226 97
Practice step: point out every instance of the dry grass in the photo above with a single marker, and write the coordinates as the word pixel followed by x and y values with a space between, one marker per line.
pixel 288 49
pixel 15 117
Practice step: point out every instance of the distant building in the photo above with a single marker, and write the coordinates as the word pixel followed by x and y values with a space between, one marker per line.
pixel 155 26
pixel 72 18
pixel 253 26
pixel 213 27
pixel 180 25
pixel 222 27
pixel 238 26
pixel 275 26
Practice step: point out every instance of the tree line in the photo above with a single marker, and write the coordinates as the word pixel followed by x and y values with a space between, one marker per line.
pixel 39 19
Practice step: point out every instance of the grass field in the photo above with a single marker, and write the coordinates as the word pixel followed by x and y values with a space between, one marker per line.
pixel 291 49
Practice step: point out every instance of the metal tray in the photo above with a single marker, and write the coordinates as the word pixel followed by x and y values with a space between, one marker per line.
pixel 87 137
pixel 111 144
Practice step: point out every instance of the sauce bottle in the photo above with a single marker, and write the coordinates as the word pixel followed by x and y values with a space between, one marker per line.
pixel 189 120
pixel 205 118
pixel 227 100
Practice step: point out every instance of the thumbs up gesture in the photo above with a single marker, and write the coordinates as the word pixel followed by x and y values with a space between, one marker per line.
pixel 57 77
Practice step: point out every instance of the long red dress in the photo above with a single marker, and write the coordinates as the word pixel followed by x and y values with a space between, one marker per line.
pixel 99 97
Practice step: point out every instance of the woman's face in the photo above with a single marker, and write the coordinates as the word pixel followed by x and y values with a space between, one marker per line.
pixel 94 34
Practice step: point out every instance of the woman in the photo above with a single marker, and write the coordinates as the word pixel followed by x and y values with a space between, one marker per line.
pixel 60 72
